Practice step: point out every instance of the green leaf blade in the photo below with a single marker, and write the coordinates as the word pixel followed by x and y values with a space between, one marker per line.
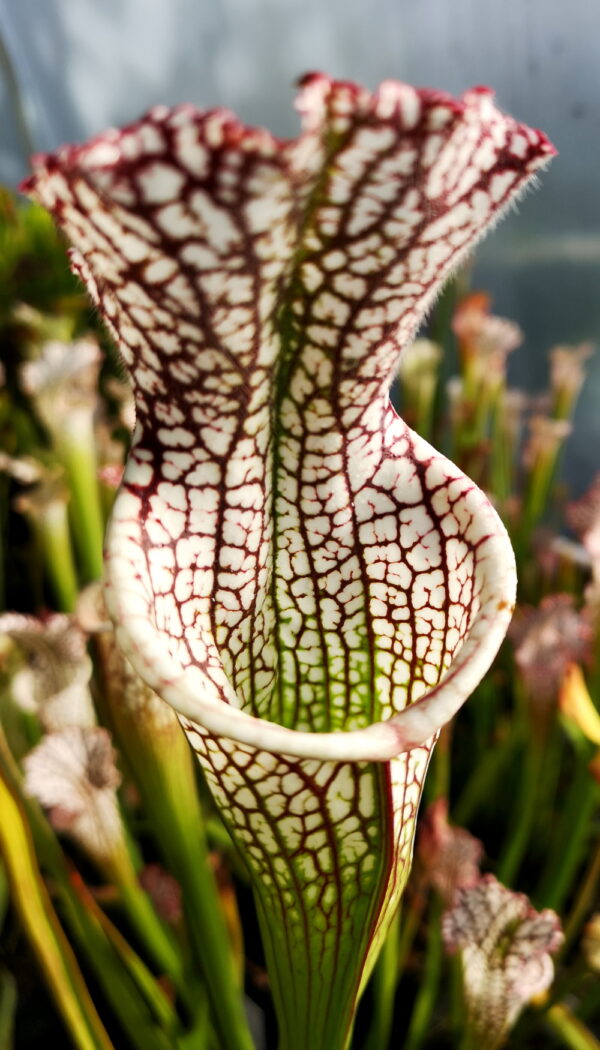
pixel 329 848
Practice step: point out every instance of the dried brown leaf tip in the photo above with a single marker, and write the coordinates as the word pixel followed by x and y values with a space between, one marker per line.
pixel 449 856
pixel 73 775
pixel 505 948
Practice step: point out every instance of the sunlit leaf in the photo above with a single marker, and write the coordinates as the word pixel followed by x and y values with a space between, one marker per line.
pixel 577 705
pixel 47 938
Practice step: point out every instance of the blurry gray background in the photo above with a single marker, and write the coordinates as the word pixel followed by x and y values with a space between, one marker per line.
pixel 74 67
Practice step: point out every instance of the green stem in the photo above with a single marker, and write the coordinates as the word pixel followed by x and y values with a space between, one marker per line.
pixel 4 489
pixel 129 1006
pixel 457 999
pixel 154 995
pixel 501 454
pixel 550 788
pixel 537 494
pixel 569 1029
pixel 385 980
pixel 482 781
pixel 536 498
pixel 43 930
pixel 440 780
pixel 469 1040
pixel 78 455
pixel 210 942
pixel 200 1036
pixel 588 1003
pixel 425 408
pixel 153 935
pixel 571 838
pixel 136 1011
pixel 584 901
pixel 594 680
pixel 164 772
pixel 428 991
pixel 440 329
pixel 524 815
pixel 8 1007
pixel 408 930
pixel 52 528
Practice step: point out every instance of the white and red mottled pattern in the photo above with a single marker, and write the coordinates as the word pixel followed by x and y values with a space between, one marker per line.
pixel 505 948
pixel 312 587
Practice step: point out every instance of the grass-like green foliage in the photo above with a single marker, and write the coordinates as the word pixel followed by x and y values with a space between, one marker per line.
pixel 32 262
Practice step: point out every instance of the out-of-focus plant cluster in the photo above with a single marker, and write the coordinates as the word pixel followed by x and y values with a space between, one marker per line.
pixel 119 887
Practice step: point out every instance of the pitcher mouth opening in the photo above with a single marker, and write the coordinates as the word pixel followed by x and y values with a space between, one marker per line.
pixel 205 246
pixel 186 689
